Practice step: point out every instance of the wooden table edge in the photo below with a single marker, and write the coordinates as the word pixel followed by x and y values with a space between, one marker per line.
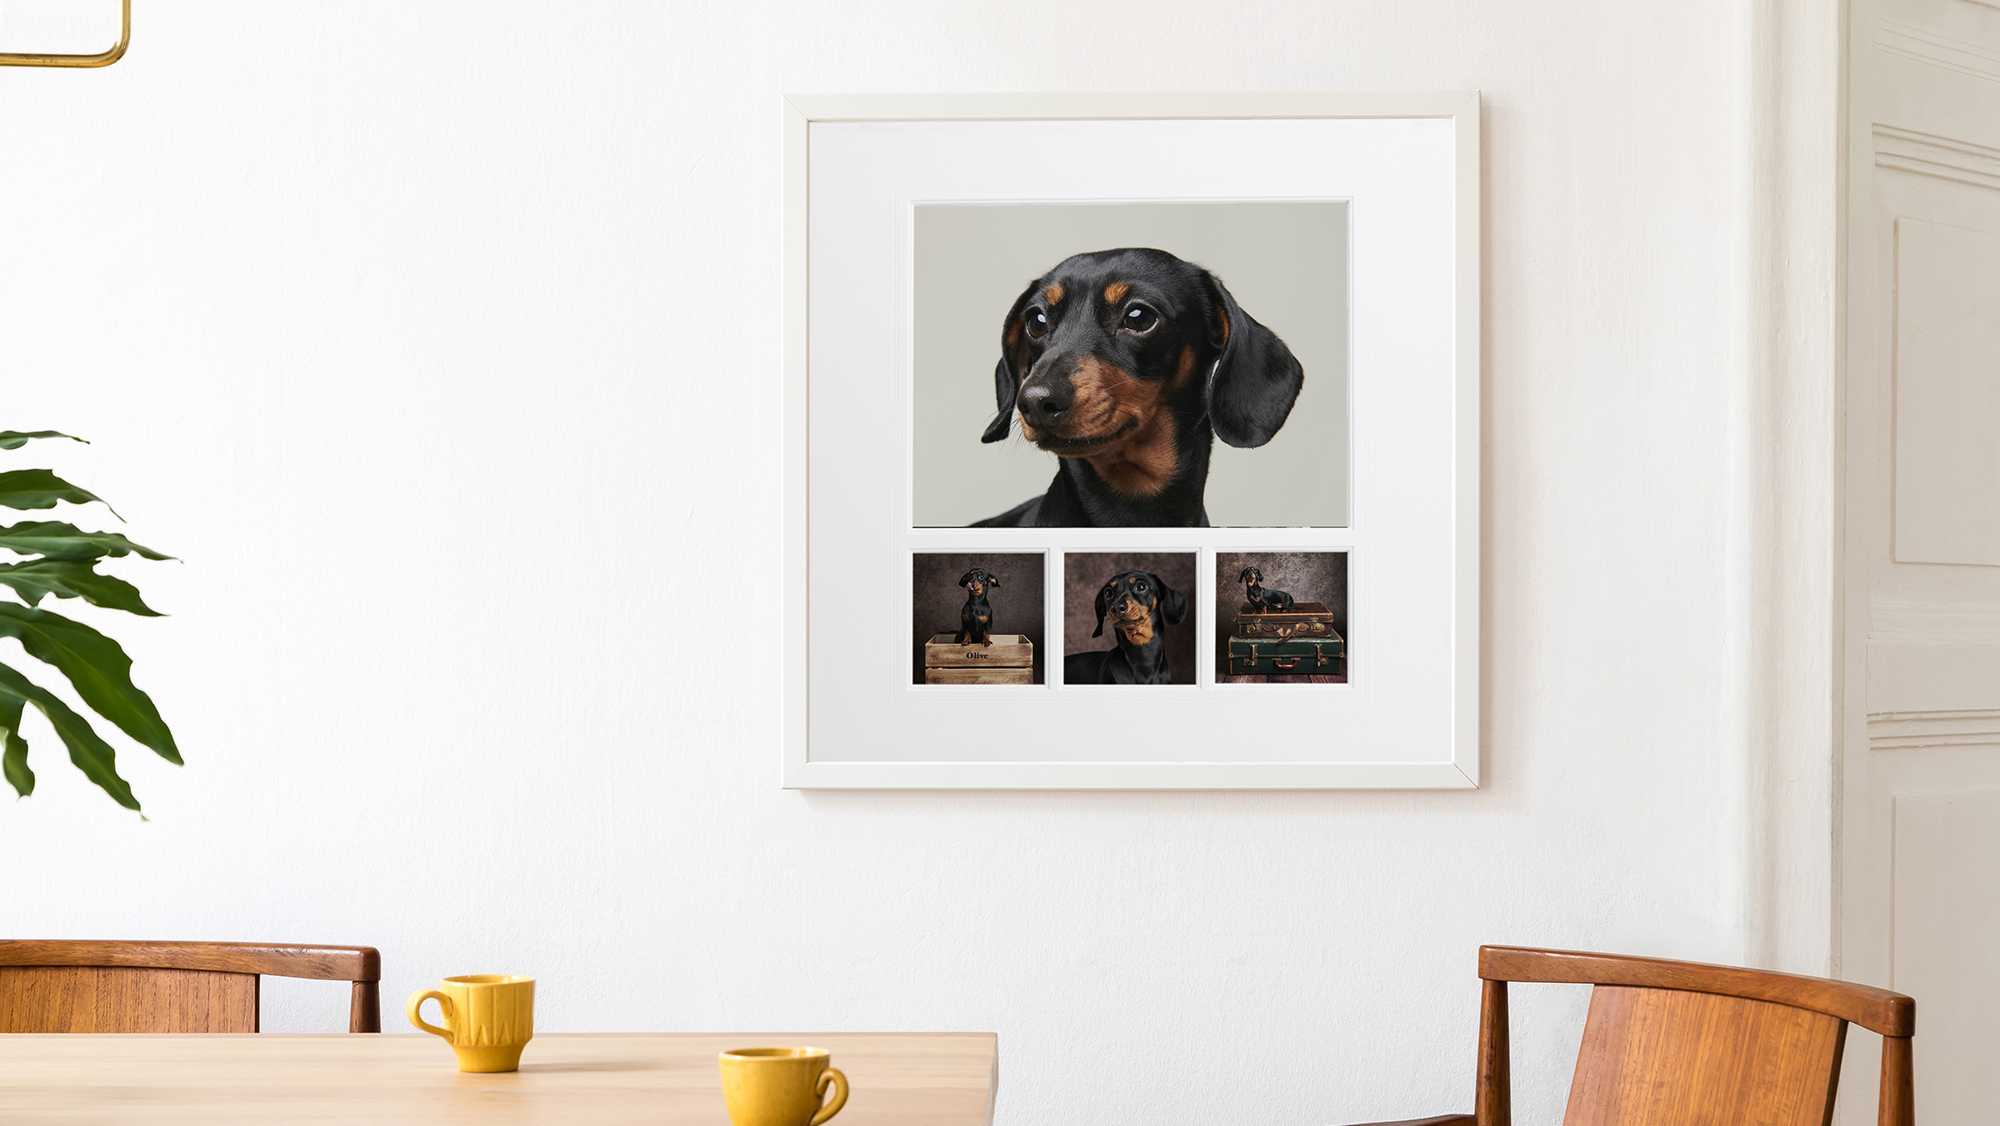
pixel 991 1040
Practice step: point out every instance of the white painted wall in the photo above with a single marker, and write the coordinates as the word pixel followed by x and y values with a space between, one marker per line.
pixel 441 341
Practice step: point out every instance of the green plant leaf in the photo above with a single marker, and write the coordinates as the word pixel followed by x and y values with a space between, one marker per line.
pixel 92 755
pixel 99 669
pixel 15 439
pixel 65 579
pixel 39 488
pixel 54 539
pixel 13 748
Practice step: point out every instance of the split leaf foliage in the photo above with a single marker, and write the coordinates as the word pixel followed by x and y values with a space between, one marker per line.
pixel 60 560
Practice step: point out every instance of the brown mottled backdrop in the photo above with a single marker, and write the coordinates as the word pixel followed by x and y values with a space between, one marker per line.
pixel 936 597
pixel 1308 576
pixel 1085 573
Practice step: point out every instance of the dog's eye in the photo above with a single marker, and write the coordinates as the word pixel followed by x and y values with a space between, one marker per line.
pixel 1140 587
pixel 1037 322
pixel 1139 319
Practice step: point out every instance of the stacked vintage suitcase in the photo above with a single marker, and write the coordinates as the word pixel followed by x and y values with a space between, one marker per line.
pixel 1296 642
pixel 1009 660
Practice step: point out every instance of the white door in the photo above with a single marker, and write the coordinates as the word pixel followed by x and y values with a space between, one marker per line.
pixel 1919 850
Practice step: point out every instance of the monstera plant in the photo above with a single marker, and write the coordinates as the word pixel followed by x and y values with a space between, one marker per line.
pixel 61 560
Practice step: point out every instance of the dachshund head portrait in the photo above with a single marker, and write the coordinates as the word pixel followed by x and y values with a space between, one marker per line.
pixel 977 580
pixel 1138 603
pixel 1140 607
pixel 1125 364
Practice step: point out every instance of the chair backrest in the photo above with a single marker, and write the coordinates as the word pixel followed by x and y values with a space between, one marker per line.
pixel 1682 1043
pixel 91 986
pixel 1670 1057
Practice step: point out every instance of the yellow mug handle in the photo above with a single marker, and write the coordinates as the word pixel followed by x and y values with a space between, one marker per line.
pixel 414 1011
pixel 830 1075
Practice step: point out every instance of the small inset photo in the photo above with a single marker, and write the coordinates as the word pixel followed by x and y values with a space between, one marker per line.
pixel 1281 617
pixel 1128 617
pixel 976 618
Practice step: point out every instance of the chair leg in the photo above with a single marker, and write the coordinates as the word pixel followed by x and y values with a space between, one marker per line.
pixel 1492 1103
pixel 1898 1107
pixel 364 1013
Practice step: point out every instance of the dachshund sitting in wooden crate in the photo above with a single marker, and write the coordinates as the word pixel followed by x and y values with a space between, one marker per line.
pixel 975 618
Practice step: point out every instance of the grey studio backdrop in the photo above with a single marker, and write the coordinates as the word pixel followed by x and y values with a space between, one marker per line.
pixel 936 598
pixel 1286 265
pixel 1308 576
pixel 1086 572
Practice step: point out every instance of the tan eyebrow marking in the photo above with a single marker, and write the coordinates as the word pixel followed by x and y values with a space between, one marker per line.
pixel 1054 293
pixel 1115 292
pixel 1186 367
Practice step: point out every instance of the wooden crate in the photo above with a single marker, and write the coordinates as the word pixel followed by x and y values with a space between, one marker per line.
pixel 1009 660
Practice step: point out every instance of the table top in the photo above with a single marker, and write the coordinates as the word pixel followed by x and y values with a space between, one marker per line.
pixel 898 1079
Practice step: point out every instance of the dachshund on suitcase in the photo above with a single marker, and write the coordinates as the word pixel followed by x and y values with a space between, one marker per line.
pixel 975 618
pixel 1127 364
pixel 1262 599
pixel 1141 608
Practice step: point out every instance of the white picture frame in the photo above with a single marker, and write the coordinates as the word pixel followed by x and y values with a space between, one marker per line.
pixel 1409 167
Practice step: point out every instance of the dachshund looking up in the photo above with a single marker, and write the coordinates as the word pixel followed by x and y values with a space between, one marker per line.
pixel 1141 609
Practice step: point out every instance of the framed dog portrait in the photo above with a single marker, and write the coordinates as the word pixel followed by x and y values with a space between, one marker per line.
pixel 1166 406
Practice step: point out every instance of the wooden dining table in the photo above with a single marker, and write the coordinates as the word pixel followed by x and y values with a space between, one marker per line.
pixel 898 1079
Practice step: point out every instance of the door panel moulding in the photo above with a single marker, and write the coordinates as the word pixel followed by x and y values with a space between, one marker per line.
pixel 1892 731
pixel 1945 158
pixel 1925 46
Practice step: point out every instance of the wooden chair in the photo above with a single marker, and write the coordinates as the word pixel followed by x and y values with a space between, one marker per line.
pixel 1682 1043
pixel 48 986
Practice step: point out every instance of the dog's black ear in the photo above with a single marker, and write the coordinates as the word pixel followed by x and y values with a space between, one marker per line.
pixel 1099 631
pixel 1006 380
pixel 992 580
pixel 1255 381
pixel 1173 607
pixel 1003 393
pixel 965 579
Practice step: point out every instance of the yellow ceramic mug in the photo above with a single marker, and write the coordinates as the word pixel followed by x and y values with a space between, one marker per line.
pixel 488 1018
pixel 780 1086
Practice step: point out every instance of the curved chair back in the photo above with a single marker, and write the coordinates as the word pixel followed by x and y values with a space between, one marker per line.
pixel 91 986
pixel 1683 1043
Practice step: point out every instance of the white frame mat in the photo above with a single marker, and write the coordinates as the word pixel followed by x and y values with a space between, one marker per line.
pixel 1409 717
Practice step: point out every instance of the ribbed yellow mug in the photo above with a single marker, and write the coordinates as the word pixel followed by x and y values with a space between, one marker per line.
pixel 781 1086
pixel 488 1018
